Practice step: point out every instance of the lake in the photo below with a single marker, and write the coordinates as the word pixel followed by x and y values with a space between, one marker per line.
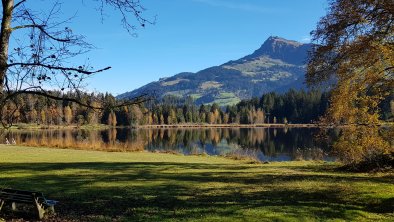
pixel 263 144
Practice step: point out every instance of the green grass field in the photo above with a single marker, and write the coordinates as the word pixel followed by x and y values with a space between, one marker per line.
pixel 102 186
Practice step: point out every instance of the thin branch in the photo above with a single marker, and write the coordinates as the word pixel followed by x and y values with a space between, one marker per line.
pixel 136 100
pixel 387 69
pixel 41 28
pixel 19 3
pixel 59 67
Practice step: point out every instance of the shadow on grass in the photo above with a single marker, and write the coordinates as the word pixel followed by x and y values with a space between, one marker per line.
pixel 188 191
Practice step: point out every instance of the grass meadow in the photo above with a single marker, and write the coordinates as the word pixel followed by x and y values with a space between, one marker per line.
pixel 141 186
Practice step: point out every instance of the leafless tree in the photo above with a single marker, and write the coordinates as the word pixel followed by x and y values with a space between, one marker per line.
pixel 36 49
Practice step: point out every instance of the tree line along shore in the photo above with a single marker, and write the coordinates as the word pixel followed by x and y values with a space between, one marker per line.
pixel 291 109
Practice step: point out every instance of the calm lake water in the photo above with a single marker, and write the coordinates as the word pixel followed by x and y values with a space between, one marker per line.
pixel 264 144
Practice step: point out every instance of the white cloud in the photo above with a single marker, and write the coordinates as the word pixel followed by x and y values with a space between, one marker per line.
pixel 235 5
pixel 306 39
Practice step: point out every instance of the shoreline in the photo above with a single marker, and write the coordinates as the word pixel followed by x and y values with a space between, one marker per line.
pixel 263 125
pixel 260 125
pixel 181 126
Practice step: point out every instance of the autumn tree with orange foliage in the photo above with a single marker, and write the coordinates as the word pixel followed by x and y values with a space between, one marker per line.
pixel 354 57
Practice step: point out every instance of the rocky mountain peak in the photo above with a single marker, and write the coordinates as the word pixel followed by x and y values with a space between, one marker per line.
pixel 276 41
pixel 286 50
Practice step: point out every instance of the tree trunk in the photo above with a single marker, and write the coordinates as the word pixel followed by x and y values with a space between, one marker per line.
pixel 5 39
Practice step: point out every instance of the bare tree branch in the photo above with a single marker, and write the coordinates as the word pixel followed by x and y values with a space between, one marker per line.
pixel 19 3
pixel 40 61
pixel 59 67
pixel 42 29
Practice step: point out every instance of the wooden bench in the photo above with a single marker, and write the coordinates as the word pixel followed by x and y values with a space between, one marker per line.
pixel 12 197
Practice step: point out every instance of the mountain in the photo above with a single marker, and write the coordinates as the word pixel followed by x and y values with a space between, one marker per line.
pixel 278 65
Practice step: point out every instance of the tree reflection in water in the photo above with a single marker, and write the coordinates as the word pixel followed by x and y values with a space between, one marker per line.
pixel 266 144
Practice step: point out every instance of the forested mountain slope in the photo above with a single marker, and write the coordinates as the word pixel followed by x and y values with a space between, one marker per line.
pixel 277 66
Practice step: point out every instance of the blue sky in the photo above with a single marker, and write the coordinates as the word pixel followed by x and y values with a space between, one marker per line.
pixel 189 35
